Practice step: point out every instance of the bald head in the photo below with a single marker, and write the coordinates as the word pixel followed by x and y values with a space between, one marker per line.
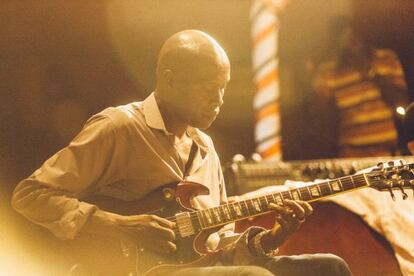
pixel 188 49
pixel 192 74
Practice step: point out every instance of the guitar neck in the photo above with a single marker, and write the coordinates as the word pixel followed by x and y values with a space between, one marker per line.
pixel 346 164
pixel 227 213
pixel 248 176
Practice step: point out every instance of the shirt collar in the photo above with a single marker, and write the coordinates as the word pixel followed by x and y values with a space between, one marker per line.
pixel 154 119
pixel 152 114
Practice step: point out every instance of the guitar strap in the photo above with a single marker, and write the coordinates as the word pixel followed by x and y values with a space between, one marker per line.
pixel 190 160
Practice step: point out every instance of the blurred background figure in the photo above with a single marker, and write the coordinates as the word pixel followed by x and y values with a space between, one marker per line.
pixel 360 88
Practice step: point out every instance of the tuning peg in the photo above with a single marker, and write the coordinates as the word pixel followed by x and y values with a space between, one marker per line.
pixel 389 183
pixel 404 194
pixel 392 194
pixel 380 165
pixel 391 163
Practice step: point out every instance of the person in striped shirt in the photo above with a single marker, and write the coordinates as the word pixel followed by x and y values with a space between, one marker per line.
pixel 365 85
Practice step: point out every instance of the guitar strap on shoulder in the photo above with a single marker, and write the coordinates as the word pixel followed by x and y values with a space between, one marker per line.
pixel 190 160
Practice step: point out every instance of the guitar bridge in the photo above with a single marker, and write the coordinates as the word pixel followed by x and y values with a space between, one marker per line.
pixel 184 224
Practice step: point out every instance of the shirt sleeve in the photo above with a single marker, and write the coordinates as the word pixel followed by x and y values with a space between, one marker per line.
pixel 50 196
pixel 235 245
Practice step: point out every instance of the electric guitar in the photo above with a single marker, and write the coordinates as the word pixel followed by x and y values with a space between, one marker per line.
pixel 194 226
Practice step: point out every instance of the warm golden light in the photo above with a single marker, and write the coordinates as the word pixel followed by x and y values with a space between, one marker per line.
pixel 15 261
pixel 400 110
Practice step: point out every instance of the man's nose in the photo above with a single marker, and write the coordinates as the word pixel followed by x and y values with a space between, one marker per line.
pixel 217 99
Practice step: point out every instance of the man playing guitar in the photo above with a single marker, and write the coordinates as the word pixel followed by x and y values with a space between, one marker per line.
pixel 128 153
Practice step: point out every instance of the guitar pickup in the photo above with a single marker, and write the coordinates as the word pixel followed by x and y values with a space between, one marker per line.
pixel 184 224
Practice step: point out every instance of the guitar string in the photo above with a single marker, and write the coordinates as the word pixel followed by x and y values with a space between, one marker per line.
pixel 249 208
pixel 285 195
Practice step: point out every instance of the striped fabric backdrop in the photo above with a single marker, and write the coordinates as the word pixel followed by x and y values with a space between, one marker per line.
pixel 264 33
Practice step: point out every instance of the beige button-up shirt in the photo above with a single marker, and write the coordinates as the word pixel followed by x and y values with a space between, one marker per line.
pixel 122 152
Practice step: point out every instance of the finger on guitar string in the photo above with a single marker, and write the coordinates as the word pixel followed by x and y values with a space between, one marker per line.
pixel 306 206
pixel 280 210
pixel 297 211
pixel 282 218
pixel 275 207
pixel 281 226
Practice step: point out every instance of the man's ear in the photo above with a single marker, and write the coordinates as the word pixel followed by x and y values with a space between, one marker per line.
pixel 169 78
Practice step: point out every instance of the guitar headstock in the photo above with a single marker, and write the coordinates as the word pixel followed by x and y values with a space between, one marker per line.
pixel 392 175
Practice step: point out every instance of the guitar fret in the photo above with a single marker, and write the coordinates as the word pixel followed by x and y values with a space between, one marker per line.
pixel 264 203
pixel 208 217
pixel 335 186
pixel 365 180
pixel 340 183
pixel 245 209
pixel 238 209
pixel 319 189
pixel 274 199
pixel 269 199
pixel 233 210
pixel 315 191
pixel 330 188
pixel 296 194
pixel 325 189
pixel 200 220
pixel 352 180
pixel 197 222
pixel 221 214
pixel 217 216
pixel 305 193
pixel 361 180
pixel 279 199
pixel 250 207
pixel 285 195
pixel 346 183
pixel 358 180
pixel 310 193
pixel 257 206
pixel 227 212
pixel 267 202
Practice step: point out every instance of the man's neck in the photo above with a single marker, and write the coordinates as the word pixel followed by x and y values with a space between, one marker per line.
pixel 172 123
pixel 177 128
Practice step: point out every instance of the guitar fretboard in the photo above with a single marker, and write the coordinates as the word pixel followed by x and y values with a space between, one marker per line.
pixel 223 214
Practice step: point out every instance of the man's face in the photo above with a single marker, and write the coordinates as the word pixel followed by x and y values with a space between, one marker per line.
pixel 199 94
